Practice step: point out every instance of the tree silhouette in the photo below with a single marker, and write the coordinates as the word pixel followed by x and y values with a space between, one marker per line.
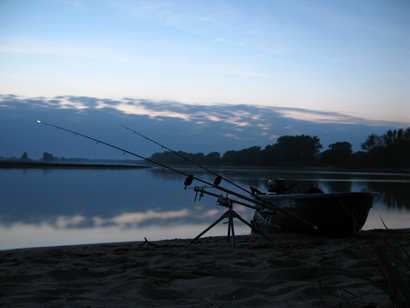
pixel 291 150
pixel 338 154
pixel 24 157
pixel 391 149
pixel 49 157
pixel 247 156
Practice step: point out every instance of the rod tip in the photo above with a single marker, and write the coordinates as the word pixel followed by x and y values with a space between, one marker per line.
pixel 38 121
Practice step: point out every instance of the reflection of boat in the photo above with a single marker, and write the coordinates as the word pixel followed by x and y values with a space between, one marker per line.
pixel 333 213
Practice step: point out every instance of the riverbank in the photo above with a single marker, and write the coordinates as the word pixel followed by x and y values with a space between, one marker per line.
pixel 43 165
pixel 300 271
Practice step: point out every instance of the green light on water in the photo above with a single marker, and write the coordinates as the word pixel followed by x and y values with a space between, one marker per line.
pixel 38 121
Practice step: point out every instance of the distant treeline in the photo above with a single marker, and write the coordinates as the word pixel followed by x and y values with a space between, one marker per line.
pixel 390 150
pixel 50 159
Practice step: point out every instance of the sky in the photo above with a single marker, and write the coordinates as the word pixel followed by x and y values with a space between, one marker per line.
pixel 349 57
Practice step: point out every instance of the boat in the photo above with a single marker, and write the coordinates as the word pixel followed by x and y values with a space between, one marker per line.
pixel 334 214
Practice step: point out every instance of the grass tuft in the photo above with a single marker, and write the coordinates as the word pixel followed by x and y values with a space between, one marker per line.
pixel 393 260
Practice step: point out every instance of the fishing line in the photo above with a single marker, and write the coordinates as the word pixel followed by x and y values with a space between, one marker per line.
pixel 217 180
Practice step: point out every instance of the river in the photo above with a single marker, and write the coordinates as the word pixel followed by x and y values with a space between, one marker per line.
pixel 51 207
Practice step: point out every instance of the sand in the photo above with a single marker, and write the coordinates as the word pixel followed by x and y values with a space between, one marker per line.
pixel 300 271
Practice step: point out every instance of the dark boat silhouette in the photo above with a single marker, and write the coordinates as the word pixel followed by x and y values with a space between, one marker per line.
pixel 335 214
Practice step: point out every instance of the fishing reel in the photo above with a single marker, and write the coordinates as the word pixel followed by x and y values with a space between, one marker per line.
pixel 224 201
pixel 190 178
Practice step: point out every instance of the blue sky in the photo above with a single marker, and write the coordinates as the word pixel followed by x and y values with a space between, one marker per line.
pixel 349 57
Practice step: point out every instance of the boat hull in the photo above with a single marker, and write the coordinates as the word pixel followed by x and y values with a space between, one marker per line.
pixel 332 213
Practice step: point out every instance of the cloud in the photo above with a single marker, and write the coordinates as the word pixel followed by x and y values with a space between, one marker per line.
pixel 318 117
pixel 71 48
pixel 231 136
pixel 194 17
pixel 181 126
pixel 238 115
pixel 321 117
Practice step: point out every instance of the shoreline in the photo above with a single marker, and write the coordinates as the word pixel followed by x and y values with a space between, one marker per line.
pixel 187 240
pixel 39 164
pixel 300 271
pixel 44 165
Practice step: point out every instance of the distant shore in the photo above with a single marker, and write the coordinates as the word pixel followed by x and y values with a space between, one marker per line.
pixel 116 164
pixel 43 165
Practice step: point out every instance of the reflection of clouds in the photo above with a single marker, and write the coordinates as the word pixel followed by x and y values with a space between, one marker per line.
pixel 198 215
pixel 66 221
pixel 209 214
pixel 241 209
pixel 78 229
pixel 134 219
pixel 137 218
pixel 393 220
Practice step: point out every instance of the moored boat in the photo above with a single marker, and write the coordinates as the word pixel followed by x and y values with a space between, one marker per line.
pixel 341 213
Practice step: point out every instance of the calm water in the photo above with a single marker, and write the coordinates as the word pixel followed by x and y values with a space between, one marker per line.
pixel 46 207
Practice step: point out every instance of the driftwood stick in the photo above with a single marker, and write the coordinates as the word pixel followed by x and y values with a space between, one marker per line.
pixel 147 242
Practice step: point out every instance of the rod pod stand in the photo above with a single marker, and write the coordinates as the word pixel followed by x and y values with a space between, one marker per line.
pixel 230 214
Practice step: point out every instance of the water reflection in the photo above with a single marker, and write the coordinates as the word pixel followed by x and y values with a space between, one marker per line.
pixel 44 207
pixel 393 195
pixel 338 186
pixel 27 235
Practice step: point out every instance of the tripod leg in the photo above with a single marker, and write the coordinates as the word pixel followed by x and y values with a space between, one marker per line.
pixel 229 228
pixel 257 231
pixel 206 230
pixel 233 232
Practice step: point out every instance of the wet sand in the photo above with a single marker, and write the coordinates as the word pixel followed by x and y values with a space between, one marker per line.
pixel 300 271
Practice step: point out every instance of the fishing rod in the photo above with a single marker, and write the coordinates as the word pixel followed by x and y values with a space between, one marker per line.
pixel 217 180
pixel 189 177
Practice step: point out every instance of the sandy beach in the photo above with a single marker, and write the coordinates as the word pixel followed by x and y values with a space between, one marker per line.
pixel 299 271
